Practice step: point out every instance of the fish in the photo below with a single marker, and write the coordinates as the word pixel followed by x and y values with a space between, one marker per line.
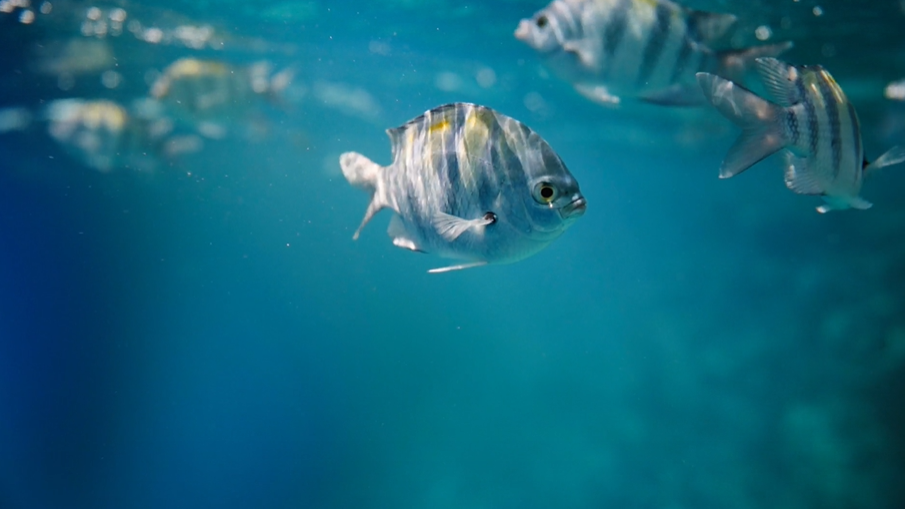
pixel 811 118
pixel 469 183
pixel 647 50
pixel 212 94
pixel 105 135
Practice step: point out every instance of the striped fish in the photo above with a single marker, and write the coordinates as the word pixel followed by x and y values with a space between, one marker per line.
pixel 469 183
pixel 211 94
pixel 645 49
pixel 811 117
pixel 106 135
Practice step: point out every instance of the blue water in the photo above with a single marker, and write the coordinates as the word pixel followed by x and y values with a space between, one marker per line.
pixel 207 334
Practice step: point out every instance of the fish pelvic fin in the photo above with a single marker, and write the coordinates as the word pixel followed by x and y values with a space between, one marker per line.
pixel 895 155
pixel 363 173
pixel 734 64
pixel 760 120
pixel 457 267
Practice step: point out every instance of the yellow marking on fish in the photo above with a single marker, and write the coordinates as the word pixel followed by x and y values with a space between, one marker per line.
pixel 189 67
pixel 442 125
pixel 474 141
pixel 810 81
pixel 103 114
pixel 837 90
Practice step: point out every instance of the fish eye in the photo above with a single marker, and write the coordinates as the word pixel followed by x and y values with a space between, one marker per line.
pixel 545 192
pixel 541 21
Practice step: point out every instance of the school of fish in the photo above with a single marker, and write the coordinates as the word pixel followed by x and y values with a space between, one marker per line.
pixel 467 182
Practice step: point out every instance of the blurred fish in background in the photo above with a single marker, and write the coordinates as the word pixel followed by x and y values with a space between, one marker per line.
pixel 105 135
pixel 216 96
pixel 636 49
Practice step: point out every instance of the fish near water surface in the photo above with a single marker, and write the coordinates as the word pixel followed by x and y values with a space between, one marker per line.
pixel 469 183
pixel 810 116
pixel 611 50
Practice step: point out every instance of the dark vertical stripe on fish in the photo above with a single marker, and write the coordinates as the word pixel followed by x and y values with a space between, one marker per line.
pixel 811 114
pixel 792 124
pixel 856 137
pixel 655 43
pixel 615 29
pixel 832 113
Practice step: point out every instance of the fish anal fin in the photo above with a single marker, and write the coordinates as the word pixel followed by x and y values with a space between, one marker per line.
pixel 452 268
pixel 400 235
pixel 799 179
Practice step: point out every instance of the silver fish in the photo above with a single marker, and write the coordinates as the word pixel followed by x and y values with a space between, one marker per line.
pixel 106 135
pixel 645 49
pixel 469 183
pixel 811 117
pixel 211 94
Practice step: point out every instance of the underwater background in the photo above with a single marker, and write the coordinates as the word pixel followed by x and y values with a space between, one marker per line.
pixel 201 330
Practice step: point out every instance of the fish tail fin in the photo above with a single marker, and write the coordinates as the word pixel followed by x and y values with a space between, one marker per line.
pixel 363 173
pixel 734 64
pixel 759 119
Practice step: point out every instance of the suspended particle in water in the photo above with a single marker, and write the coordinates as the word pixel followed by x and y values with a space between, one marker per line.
pixel 763 33
pixel 46 7
pixel 486 77
pixel 26 17
pixel 818 11
pixel 111 79
pixel 93 13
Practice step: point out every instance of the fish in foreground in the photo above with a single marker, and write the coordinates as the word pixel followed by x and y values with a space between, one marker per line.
pixel 811 117
pixel 469 183
pixel 645 49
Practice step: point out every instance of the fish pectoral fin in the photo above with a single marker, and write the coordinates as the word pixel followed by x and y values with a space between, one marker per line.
pixel 895 155
pixel 456 267
pixel 400 235
pixel 583 51
pixel 799 179
pixel 676 95
pixel 598 94
pixel 451 227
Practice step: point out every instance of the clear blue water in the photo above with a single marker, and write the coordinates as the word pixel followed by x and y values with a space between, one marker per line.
pixel 207 334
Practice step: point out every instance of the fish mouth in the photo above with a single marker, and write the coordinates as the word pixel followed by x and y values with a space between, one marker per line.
pixel 575 208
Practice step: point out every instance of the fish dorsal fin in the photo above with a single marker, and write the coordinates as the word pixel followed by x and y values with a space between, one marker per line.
pixel 440 117
pixel 781 80
pixel 799 179
pixel 710 26
pixel 895 155
pixel 451 227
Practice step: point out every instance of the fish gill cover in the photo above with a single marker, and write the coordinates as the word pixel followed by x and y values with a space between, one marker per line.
pixel 185 320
